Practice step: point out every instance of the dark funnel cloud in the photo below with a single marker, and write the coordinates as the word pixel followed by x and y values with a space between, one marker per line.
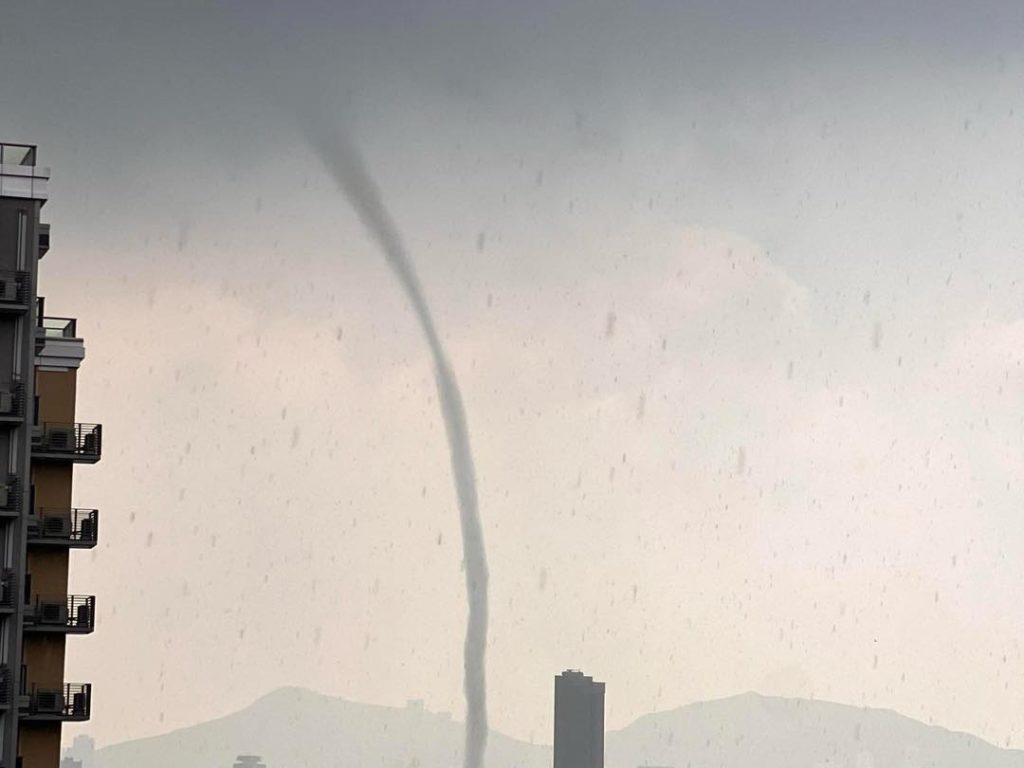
pixel 340 156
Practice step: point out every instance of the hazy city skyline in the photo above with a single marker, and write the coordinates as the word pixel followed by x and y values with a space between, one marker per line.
pixel 733 293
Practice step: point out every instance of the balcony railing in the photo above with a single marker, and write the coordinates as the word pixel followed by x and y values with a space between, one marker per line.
pixel 71 442
pixel 12 402
pixel 19 174
pixel 14 289
pixel 70 702
pixel 53 327
pixel 10 496
pixel 6 687
pixel 8 590
pixel 57 327
pixel 69 614
pixel 73 528
pixel 17 154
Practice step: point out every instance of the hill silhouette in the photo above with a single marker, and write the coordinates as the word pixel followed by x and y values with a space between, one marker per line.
pixel 297 728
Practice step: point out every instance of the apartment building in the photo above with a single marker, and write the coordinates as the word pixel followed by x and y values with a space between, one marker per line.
pixel 41 442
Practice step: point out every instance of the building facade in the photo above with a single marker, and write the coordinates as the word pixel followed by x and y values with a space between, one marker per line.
pixel 40 445
pixel 579 721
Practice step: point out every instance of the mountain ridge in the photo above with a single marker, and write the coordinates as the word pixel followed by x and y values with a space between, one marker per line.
pixel 294 727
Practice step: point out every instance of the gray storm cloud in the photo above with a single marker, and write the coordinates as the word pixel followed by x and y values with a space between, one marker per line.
pixel 340 156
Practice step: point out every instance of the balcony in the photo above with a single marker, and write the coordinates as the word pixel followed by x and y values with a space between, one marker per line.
pixel 6 687
pixel 18 154
pixel 57 343
pixel 71 528
pixel 8 590
pixel 19 174
pixel 71 702
pixel 53 327
pixel 81 443
pixel 10 497
pixel 56 327
pixel 14 291
pixel 12 403
pixel 66 614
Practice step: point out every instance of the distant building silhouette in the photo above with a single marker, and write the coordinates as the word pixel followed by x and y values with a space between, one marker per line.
pixel 579 721
pixel 249 761
pixel 81 753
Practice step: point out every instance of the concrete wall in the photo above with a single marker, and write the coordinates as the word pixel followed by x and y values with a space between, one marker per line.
pixel 47 569
pixel 40 745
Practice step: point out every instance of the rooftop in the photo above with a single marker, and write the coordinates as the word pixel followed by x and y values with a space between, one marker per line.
pixel 17 154
pixel 19 175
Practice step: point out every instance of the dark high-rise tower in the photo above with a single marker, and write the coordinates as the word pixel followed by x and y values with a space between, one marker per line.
pixel 579 721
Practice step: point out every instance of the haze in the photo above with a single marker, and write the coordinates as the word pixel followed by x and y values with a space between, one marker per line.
pixel 733 292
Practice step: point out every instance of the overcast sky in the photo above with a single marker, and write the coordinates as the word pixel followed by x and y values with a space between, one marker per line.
pixel 734 292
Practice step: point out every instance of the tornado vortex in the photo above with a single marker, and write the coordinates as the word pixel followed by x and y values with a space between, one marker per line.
pixel 340 156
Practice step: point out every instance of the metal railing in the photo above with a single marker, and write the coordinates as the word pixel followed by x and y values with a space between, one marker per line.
pixel 8 589
pixel 54 327
pixel 84 441
pixel 72 701
pixel 12 400
pixel 6 686
pixel 10 495
pixel 64 613
pixel 14 287
pixel 65 526
pixel 57 327
pixel 17 154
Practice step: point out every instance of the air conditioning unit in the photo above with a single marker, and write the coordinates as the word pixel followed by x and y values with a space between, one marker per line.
pixel 83 616
pixel 6 401
pixel 57 526
pixel 52 613
pixel 5 496
pixel 60 439
pixel 37 435
pixel 49 702
pixel 8 289
pixel 87 529
pixel 80 704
